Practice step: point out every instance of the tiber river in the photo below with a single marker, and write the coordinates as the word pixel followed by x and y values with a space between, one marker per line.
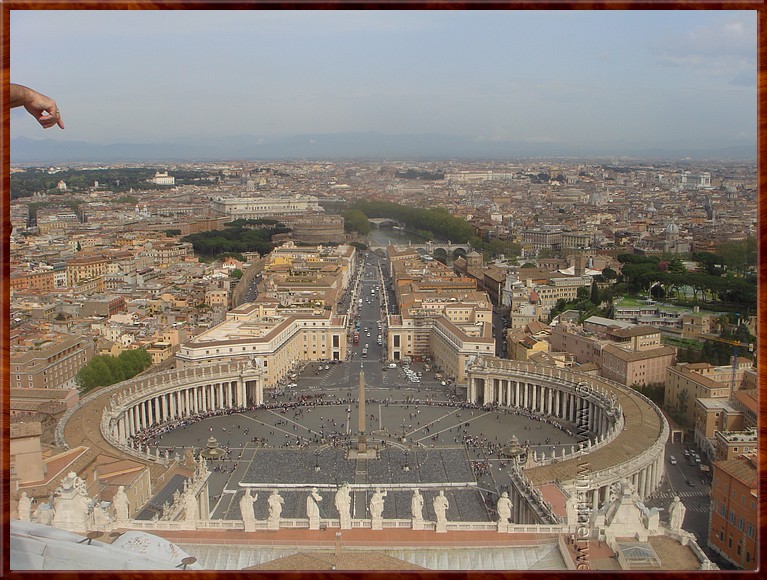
pixel 389 236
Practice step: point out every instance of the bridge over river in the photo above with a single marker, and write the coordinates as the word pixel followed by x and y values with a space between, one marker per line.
pixel 450 249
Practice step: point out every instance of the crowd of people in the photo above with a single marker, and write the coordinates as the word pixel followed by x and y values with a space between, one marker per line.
pixel 336 434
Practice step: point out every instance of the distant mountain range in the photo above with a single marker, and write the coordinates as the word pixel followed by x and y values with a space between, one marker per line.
pixel 335 146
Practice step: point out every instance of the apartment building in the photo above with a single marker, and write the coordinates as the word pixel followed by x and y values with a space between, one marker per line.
pixel 628 355
pixel 52 364
pixel 86 268
pixel 712 416
pixel 39 280
pixel 730 444
pixel 734 512
pixel 636 367
pixel 686 382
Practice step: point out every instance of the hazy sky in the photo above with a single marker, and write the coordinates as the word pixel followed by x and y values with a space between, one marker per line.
pixel 605 78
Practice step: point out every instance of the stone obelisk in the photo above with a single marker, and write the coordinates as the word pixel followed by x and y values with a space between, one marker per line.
pixel 362 418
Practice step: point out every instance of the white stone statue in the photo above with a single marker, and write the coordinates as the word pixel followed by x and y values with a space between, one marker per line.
pixel 101 517
pixel 441 505
pixel 416 505
pixel 25 507
pixel 246 510
pixel 313 504
pixel 504 508
pixel 343 503
pixel 121 503
pixel 43 514
pixel 275 505
pixel 377 504
pixel 676 513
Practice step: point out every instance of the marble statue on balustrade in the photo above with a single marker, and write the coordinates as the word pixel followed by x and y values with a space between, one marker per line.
pixel 43 514
pixel 676 513
pixel 25 507
pixel 441 505
pixel 101 517
pixel 71 504
pixel 275 503
pixel 121 504
pixel 343 503
pixel 504 512
pixel 416 505
pixel 246 511
pixel 313 509
pixel 376 509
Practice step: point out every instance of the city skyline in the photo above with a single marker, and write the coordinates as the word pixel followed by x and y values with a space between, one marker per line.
pixel 498 82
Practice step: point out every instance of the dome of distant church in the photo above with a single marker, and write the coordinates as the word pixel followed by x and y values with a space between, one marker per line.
pixel 672 228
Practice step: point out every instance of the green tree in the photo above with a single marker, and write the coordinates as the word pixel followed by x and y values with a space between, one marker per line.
pixel 595 294
pixel 105 370
pixel 356 221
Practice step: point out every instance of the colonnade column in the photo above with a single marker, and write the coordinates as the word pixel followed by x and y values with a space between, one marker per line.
pixel 165 400
pixel 487 393
pixel 517 394
pixel 241 393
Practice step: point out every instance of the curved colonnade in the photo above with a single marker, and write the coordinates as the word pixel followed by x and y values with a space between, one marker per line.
pixel 622 433
pixel 133 405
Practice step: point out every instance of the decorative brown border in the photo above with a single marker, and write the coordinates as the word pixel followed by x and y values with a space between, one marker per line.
pixel 7 5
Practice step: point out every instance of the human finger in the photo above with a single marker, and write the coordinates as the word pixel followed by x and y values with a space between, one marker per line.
pixel 53 118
